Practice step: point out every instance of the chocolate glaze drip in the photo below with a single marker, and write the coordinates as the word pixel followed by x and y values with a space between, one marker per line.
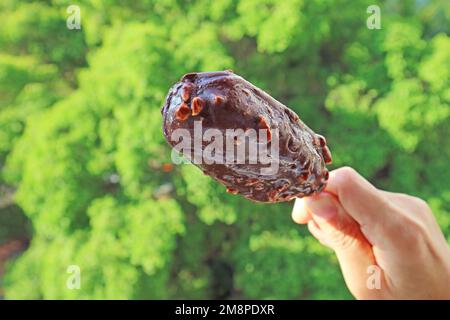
pixel 223 100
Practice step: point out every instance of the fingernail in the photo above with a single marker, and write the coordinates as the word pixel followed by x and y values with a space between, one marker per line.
pixel 299 213
pixel 321 206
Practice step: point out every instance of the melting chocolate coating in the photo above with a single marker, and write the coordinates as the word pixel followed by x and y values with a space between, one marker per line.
pixel 223 100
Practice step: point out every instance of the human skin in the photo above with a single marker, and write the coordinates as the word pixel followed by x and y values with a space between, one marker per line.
pixel 371 229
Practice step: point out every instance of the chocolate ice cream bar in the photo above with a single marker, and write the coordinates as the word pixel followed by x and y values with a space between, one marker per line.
pixel 245 139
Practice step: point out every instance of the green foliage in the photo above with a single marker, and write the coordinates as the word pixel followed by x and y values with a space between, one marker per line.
pixel 82 146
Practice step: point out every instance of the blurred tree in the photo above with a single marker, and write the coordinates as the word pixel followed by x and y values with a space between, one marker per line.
pixel 81 141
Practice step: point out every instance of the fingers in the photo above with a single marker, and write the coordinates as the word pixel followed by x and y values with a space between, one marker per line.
pixel 318 234
pixel 299 214
pixel 357 195
pixel 370 208
pixel 349 187
pixel 333 227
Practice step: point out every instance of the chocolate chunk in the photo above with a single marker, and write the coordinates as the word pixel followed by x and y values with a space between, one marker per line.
pixel 182 112
pixel 224 101
pixel 197 105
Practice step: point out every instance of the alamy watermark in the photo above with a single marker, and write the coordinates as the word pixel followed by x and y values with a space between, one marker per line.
pixel 73 281
pixel 374 20
pixel 228 147
pixel 374 280
pixel 73 21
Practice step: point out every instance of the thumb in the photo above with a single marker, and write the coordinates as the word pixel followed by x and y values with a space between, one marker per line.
pixel 342 233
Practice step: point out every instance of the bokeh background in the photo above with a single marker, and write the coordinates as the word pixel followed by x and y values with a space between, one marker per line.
pixel 86 176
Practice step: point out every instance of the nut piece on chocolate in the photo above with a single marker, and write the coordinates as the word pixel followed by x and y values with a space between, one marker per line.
pixel 222 101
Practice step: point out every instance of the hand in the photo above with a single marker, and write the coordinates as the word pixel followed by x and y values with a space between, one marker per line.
pixel 375 233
